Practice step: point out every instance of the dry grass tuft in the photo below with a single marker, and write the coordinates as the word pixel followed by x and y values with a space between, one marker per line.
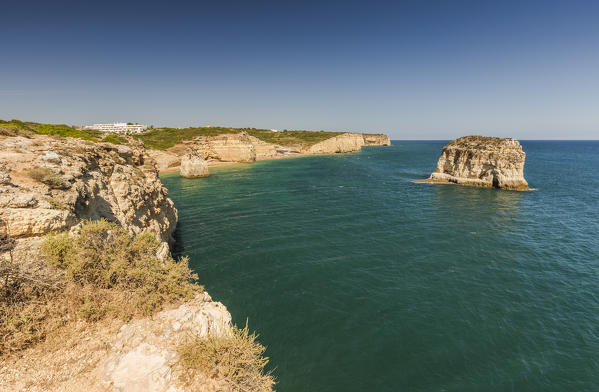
pixel 49 177
pixel 108 273
pixel 118 273
pixel 237 358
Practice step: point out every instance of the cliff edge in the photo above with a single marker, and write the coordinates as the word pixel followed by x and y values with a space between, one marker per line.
pixel 102 306
pixel 482 161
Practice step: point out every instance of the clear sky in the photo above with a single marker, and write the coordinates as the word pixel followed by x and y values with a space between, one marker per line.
pixel 412 69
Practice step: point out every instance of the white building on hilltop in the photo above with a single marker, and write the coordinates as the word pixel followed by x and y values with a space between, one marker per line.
pixel 118 127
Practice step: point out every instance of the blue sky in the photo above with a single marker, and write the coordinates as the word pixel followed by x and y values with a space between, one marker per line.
pixel 412 69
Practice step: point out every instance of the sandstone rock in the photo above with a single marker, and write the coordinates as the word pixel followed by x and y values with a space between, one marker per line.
pixel 101 180
pixel 4 178
pixel 346 142
pixel 51 156
pixel 236 147
pixel 379 139
pixel 193 166
pixel 264 149
pixel 138 356
pixel 482 161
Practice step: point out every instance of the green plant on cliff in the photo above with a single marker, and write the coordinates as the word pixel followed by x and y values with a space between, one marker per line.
pixel 48 177
pixel 235 357
pixel 27 128
pixel 106 273
pixel 105 259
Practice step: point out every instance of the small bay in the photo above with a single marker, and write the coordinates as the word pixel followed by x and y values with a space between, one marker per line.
pixel 358 279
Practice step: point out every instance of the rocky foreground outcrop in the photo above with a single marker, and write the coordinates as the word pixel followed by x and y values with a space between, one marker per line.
pixel 482 161
pixel 376 139
pixel 50 185
pixel 346 142
pixel 236 147
pixel 122 357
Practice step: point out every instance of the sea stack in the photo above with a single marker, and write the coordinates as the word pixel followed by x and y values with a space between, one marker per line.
pixel 482 161
pixel 193 166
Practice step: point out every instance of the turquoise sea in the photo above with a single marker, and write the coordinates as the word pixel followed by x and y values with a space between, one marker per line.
pixel 357 279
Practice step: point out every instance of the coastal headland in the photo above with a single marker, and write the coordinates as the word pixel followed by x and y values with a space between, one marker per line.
pixel 90 296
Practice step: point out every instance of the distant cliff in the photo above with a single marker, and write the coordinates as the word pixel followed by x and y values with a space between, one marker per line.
pixel 244 148
pixel 482 161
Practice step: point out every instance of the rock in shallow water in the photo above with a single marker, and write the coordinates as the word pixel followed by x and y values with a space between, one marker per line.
pixel 482 161
pixel 193 166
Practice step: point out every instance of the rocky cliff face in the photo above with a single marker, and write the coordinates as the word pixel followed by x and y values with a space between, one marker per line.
pixel 227 148
pixel 347 142
pixel 193 166
pixel 54 184
pixel 379 139
pixel 482 161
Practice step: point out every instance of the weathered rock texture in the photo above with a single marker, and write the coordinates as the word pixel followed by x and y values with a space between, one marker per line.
pixel 346 142
pixel 482 161
pixel 235 147
pixel 113 356
pixel 89 181
pixel 164 159
pixel 242 147
pixel 193 166
pixel 378 139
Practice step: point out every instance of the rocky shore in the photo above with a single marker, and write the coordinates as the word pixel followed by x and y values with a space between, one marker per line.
pixel 244 148
pixel 55 184
pixel 482 161
pixel 50 185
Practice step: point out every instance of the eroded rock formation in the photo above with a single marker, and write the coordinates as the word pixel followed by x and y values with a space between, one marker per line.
pixel 346 142
pixel 236 147
pixel 482 161
pixel 49 185
pixel 193 166
pixel 378 139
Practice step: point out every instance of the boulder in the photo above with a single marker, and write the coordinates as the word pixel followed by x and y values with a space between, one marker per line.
pixel 193 166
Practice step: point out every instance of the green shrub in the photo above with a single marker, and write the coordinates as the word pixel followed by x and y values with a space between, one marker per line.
pixel 48 177
pixel 22 128
pixel 115 139
pixel 235 357
pixel 106 259
pixel 55 204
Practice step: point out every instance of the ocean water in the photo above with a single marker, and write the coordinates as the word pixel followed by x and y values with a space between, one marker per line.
pixel 357 279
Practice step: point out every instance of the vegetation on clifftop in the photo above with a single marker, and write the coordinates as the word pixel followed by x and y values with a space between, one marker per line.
pixel 105 272
pixel 163 138
pixel 236 358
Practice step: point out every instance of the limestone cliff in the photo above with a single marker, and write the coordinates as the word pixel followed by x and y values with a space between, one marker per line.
pixel 236 147
pixel 378 139
pixel 346 142
pixel 482 161
pixel 193 166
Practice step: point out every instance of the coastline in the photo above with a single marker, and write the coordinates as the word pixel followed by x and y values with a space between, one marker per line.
pixel 217 164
